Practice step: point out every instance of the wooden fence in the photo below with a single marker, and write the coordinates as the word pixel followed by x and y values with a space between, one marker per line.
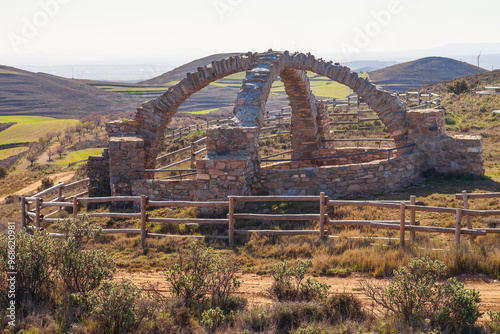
pixel 143 202
pixel 275 118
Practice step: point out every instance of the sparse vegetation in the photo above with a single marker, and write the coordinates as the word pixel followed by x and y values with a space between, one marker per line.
pixel 75 299
pixel 416 293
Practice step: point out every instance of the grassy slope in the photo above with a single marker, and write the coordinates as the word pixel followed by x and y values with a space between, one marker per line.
pixel 30 128
pixel 28 93
pixel 75 156
pixel 4 154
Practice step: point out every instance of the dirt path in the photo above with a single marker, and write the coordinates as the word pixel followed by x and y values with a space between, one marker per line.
pixel 59 177
pixel 253 287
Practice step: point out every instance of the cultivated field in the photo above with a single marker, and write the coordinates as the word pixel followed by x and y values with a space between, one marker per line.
pixel 30 128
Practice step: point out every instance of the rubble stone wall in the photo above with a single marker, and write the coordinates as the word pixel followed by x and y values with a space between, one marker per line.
pixel 98 174
pixel 344 181
pixel 166 190
pixel 126 157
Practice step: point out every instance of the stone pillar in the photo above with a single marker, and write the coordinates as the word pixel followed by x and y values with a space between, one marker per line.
pixel 98 174
pixel 324 124
pixel 126 156
pixel 425 124
pixel 454 154
pixel 232 164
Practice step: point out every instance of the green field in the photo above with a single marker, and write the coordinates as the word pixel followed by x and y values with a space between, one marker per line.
pixel 4 154
pixel 75 156
pixel 202 112
pixel 30 128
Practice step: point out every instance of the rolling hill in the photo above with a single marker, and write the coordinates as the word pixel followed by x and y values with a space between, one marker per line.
pixel 489 78
pixel 420 72
pixel 27 93
pixel 179 73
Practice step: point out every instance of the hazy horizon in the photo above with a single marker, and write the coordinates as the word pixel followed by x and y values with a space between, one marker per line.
pixel 166 34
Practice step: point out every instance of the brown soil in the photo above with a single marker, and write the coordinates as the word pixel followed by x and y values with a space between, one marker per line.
pixel 59 177
pixel 253 287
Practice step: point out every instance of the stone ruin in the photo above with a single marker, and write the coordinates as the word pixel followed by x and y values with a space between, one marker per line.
pixel 233 164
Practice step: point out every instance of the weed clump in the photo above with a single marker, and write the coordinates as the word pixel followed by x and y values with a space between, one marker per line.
pixel 288 285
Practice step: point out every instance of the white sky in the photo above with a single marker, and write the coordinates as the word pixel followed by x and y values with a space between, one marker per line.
pixel 90 30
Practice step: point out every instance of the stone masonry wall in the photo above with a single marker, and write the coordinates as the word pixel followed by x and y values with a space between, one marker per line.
pixel 166 190
pixel 346 180
pixel 338 161
pixel 425 124
pixel 456 154
pixel 126 157
pixel 445 154
pixel 98 174
pixel 324 124
pixel 232 163
pixel 121 128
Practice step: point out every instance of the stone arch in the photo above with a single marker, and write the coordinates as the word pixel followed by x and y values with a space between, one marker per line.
pixel 250 103
pixel 262 70
pixel 154 116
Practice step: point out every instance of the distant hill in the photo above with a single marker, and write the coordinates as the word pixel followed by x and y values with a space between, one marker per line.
pixel 27 93
pixel 368 65
pixel 179 73
pixel 421 72
pixel 489 78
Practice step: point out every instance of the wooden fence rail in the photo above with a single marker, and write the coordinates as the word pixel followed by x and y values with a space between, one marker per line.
pixel 402 225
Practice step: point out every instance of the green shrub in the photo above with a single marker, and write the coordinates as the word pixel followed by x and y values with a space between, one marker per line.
pixel 417 292
pixel 460 307
pixel 291 315
pixel 257 318
pixel 343 306
pixel 34 265
pixel 494 324
pixel 81 270
pixel 458 86
pixel 311 330
pixel 47 182
pixel 450 120
pixel 288 285
pixel 212 318
pixel 3 172
pixel 201 277
pixel 114 306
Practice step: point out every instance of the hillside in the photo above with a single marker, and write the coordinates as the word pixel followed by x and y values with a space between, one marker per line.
pixel 420 72
pixel 27 93
pixel 179 73
pixel 489 78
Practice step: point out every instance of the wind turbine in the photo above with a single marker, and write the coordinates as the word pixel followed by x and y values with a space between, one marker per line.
pixel 478 67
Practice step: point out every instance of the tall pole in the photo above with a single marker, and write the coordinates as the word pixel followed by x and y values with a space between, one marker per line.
pixel 478 68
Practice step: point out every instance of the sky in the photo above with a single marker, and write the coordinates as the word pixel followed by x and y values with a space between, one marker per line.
pixel 165 31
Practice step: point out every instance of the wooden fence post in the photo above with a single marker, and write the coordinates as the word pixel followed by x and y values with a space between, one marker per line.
pixel 75 207
pixel 193 156
pixel 402 222
pixel 458 227
pixel 231 220
pixel 38 201
pixel 412 217
pixel 23 211
pixel 469 218
pixel 322 210
pixel 60 195
pixel 144 219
